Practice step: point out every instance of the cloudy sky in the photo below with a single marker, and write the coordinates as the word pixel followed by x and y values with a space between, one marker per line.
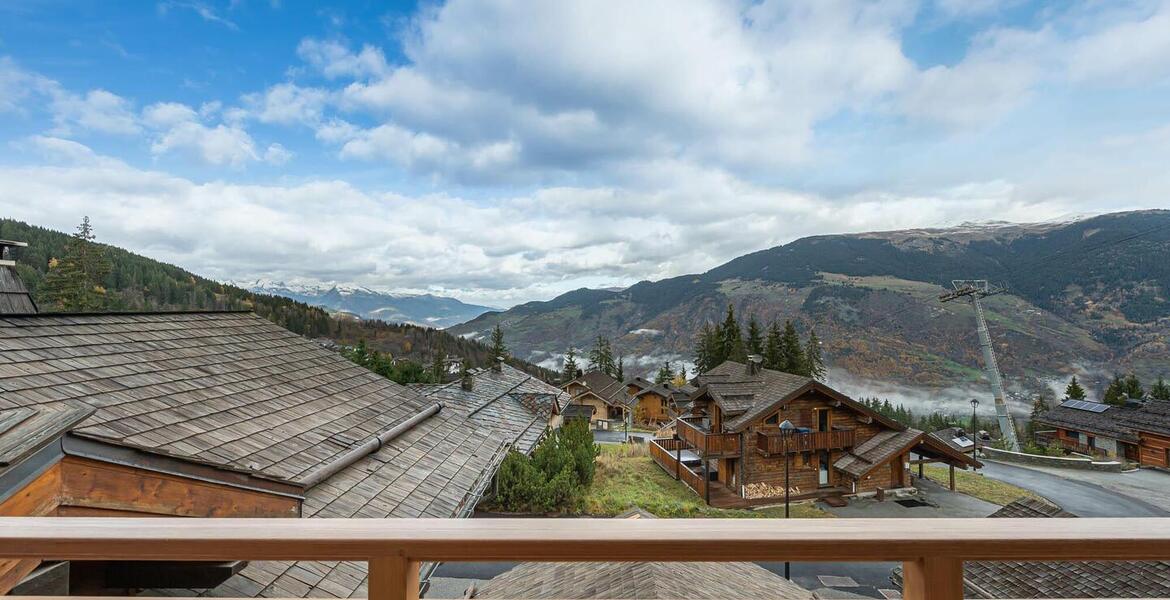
pixel 503 151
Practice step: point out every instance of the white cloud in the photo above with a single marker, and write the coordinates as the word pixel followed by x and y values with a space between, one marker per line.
pixel 507 250
pixel 97 110
pixel 221 145
pixel 168 114
pixel 277 154
pixel 18 85
pixel 334 59
pixel 287 103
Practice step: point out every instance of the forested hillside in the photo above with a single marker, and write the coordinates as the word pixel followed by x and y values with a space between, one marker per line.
pixel 1091 295
pixel 138 283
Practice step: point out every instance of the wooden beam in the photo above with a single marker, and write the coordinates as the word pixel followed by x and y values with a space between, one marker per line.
pixel 557 540
pixel 393 578
pixel 932 578
pixel 952 477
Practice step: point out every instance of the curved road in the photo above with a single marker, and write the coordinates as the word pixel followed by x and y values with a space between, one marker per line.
pixel 1078 497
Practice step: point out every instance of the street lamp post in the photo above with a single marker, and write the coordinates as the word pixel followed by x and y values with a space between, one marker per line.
pixel 974 428
pixel 786 429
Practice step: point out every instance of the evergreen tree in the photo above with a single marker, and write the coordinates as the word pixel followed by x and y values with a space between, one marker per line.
pixel 665 374
pixel 1074 391
pixel 681 378
pixel 774 357
pixel 732 347
pixel 75 282
pixel 620 371
pixel 439 365
pixel 1115 393
pixel 755 337
pixel 708 348
pixel 1160 390
pixel 793 354
pixel 601 357
pixel 814 363
pixel 1039 407
pixel 1133 387
pixel 570 371
pixel 499 348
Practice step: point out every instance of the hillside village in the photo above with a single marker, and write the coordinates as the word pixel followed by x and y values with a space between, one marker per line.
pixel 223 413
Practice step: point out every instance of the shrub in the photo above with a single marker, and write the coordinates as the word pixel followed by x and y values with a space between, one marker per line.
pixel 556 474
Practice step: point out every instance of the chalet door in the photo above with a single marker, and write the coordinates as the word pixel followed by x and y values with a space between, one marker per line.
pixel 824 420
pixel 823 470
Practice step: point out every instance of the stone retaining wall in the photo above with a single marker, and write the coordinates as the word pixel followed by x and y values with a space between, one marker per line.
pixel 1059 462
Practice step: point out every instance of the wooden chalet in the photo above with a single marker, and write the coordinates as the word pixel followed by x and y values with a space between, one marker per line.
pixel 731 450
pixel 608 397
pixel 225 414
pixel 657 403
pixel 1138 432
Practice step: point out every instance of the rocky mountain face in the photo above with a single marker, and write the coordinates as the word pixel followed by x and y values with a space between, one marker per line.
pixel 1090 296
pixel 417 309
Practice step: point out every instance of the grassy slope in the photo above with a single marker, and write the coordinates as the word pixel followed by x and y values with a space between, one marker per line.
pixel 627 477
pixel 979 486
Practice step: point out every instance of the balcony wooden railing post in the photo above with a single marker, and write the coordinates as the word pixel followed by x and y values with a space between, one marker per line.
pixel 931 578
pixel 393 578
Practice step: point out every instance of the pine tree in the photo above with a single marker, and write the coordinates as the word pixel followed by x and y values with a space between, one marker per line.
pixel 665 374
pixel 1074 391
pixel 707 349
pixel 570 371
pixel 814 363
pixel 755 337
pixel 1115 394
pixel 1160 390
pixel 774 357
pixel 601 357
pixel 620 371
pixel 793 355
pixel 439 365
pixel 1133 387
pixel 499 348
pixel 1039 407
pixel 681 378
pixel 732 347
pixel 75 282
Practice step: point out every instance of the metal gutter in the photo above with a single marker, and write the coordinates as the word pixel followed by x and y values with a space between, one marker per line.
pixel 366 448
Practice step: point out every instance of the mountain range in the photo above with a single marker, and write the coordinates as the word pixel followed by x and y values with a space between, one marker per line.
pixel 1089 296
pixel 417 309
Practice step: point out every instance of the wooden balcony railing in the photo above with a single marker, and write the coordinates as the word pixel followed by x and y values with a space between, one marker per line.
pixel 772 442
pixel 706 443
pixel 1048 437
pixel 665 453
pixel 932 552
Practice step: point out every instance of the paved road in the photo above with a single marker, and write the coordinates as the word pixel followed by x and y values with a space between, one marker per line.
pixel 1078 497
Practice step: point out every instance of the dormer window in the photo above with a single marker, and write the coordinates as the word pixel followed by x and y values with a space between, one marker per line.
pixel 773 420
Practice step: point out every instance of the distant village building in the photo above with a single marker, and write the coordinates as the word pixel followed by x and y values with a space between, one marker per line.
pixel 607 396
pixel 657 403
pixel 1138 432
pixel 731 449
pixel 225 414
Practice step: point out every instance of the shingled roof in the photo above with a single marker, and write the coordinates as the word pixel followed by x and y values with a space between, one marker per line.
pixel 1080 579
pixel 14 296
pixel 610 390
pixel 232 390
pixel 640 580
pixel 1117 422
pixel 745 397
pixel 507 401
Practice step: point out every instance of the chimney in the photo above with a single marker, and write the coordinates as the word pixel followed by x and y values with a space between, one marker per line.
pixel 753 364
pixel 17 300
pixel 5 257
pixel 468 381
pixel 498 366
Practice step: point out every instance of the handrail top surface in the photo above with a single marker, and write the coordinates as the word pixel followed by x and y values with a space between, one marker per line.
pixel 584 539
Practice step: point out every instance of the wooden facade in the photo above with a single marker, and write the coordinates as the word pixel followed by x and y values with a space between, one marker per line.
pixel 82 487
pixel 1154 450
pixel 836 447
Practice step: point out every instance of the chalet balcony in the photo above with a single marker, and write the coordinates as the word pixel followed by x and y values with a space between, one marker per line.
pixel 771 443
pixel 1048 437
pixel 706 443
pixel 932 556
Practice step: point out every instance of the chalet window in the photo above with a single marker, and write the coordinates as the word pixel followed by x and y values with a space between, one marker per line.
pixel 773 420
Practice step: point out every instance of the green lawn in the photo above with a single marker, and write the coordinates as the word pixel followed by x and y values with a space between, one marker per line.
pixel 979 486
pixel 627 477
